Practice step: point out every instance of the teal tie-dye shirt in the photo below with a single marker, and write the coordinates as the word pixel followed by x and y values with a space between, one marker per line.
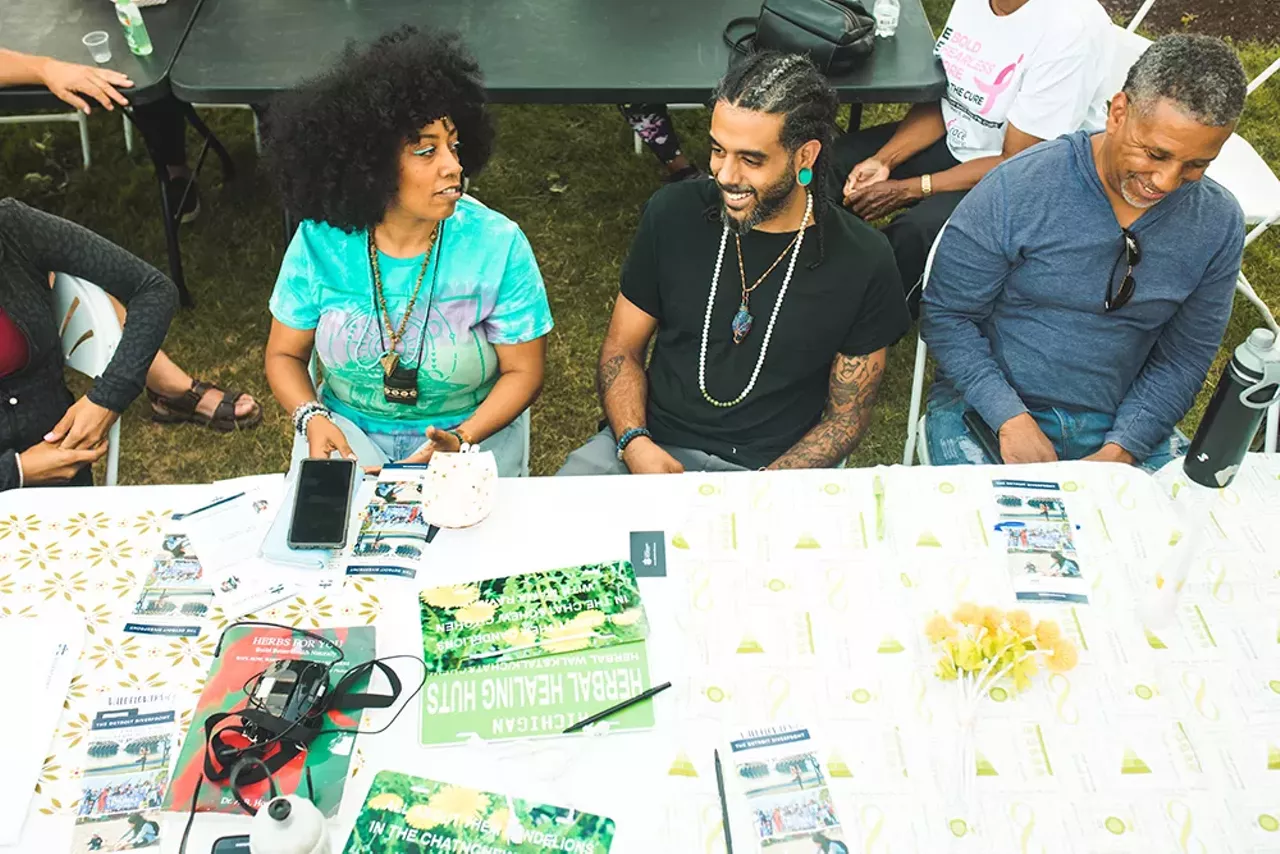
pixel 488 292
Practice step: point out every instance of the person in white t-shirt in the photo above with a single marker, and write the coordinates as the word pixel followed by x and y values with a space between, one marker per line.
pixel 1018 72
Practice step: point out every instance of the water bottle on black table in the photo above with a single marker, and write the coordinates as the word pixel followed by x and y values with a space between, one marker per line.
pixel 1249 384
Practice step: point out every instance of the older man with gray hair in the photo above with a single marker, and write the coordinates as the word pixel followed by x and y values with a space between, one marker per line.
pixel 1081 290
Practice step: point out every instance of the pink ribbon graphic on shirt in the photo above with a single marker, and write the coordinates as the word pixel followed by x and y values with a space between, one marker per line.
pixel 994 90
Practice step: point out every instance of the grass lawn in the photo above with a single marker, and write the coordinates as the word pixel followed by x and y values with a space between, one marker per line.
pixel 232 252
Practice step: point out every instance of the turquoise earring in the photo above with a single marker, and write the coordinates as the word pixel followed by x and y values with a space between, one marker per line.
pixel 805 177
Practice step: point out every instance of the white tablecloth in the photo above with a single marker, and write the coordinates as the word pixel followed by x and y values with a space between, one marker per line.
pixel 784 602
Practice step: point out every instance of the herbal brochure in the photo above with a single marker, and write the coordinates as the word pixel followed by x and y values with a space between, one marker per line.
pixel 775 773
pixel 391 531
pixel 410 814
pixel 524 616
pixel 1039 540
pixel 536 696
pixel 128 749
pixel 246 651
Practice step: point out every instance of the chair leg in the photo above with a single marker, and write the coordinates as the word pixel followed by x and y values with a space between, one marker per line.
pixel 1273 422
pixel 917 392
pixel 636 143
pixel 113 454
pixel 86 155
pixel 257 134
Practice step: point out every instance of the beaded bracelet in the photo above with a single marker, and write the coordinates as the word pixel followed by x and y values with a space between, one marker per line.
pixel 304 413
pixel 630 435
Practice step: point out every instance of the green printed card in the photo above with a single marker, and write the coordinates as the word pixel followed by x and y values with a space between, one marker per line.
pixel 536 696
pixel 535 614
pixel 410 815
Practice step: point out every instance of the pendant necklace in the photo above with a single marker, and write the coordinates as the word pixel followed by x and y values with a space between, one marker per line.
pixel 742 320
pixel 400 383
pixel 773 318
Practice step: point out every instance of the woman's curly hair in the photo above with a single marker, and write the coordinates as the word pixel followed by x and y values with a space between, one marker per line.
pixel 334 142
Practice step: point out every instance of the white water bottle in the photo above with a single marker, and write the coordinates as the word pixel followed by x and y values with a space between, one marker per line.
pixel 886 12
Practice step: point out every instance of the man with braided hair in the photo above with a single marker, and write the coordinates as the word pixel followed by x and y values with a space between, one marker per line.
pixel 772 306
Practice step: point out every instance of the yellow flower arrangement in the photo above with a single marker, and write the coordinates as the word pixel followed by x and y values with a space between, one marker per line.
pixel 982 645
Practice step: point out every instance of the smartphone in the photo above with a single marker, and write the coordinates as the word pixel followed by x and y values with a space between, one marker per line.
pixel 322 504
pixel 984 435
pixel 231 845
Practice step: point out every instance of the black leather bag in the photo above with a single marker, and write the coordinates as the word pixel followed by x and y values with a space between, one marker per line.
pixel 838 35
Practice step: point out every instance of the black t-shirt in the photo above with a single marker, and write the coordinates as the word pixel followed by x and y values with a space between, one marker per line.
pixel 851 303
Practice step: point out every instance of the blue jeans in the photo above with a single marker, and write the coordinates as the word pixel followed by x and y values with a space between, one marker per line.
pixel 1074 434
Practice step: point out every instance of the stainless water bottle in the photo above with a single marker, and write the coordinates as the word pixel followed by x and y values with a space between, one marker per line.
pixel 1249 384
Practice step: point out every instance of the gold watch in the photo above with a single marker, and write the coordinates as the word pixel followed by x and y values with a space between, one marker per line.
pixel 926 186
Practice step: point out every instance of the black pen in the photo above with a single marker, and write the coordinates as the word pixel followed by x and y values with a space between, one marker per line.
pixel 724 807
pixel 598 716
pixel 178 517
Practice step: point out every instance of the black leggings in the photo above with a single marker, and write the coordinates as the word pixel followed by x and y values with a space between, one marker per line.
pixel 911 233
pixel 652 122
pixel 163 125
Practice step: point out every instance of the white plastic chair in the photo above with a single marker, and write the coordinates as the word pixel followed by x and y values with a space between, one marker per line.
pixel 76 116
pixel 1238 167
pixel 90 333
pixel 916 440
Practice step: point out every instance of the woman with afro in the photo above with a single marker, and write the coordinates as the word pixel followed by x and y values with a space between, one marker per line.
pixel 424 308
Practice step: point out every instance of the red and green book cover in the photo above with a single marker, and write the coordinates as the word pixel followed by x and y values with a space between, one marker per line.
pixel 246 652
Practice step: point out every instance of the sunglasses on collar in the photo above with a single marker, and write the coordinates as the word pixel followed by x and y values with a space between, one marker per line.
pixel 1132 252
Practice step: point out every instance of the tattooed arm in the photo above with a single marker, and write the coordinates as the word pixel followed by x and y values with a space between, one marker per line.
pixel 854 382
pixel 624 388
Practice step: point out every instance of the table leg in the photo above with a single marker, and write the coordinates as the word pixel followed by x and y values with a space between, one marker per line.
pixel 210 141
pixel 170 218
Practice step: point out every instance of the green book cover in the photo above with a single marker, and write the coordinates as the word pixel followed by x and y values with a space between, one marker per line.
pixel 246 652
pixel 410 815
pixel 536 696
pixel 534 614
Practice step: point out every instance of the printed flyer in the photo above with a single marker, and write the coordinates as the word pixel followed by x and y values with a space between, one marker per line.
pixel 128 752
pixel 246 652
pixel 410 815
pixel 1039 539
pixel 536 696
pixel 523 616
pixel 175 595
pixel 392 529
pixel 778 772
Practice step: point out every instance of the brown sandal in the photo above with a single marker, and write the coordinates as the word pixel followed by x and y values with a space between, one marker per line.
pixel 182 409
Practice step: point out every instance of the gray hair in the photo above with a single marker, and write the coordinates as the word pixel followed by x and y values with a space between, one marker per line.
pixel 1201 75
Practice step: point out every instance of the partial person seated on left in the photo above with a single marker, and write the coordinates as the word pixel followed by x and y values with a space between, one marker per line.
pixel 772 306
pixel 47 437
pixel 1080 292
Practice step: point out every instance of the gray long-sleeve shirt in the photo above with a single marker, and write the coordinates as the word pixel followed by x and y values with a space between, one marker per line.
pixel 1014 314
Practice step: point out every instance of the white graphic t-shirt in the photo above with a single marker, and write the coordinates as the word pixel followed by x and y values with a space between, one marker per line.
pixel 1040 68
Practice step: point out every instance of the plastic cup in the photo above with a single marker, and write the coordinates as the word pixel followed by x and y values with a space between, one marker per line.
pixel 99 46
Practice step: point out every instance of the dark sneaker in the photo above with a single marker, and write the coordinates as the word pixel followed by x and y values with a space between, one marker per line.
pixel 174 188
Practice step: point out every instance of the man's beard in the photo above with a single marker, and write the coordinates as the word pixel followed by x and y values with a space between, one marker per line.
pixel 769 202
pixel 1136 201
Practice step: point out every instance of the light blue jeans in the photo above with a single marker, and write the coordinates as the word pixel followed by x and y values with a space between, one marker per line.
pixel 509 445
pixel 1074 434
